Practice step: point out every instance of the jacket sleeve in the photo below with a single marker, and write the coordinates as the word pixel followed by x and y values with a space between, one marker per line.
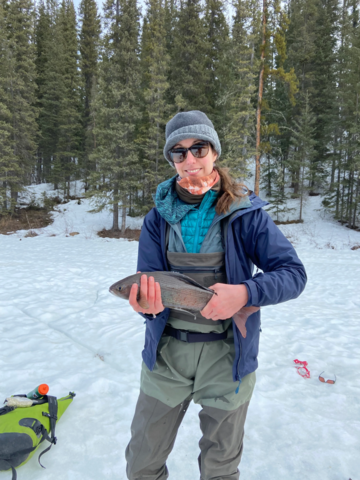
pixel 150 255
pixel 284 276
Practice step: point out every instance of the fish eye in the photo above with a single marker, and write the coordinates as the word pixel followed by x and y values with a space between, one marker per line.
pixel 119 288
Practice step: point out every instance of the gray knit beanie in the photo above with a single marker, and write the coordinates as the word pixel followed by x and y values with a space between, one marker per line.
pixel 194 124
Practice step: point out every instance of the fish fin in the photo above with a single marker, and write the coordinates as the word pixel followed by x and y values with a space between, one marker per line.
pixel 188 280
pixel 241 316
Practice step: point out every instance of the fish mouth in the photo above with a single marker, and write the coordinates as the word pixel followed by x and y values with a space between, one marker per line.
pixel 115 289
pixel 120 290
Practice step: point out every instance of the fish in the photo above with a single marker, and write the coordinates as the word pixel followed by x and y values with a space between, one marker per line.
pixel 178 292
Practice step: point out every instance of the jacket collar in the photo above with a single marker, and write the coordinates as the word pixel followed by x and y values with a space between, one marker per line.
pixel 172 209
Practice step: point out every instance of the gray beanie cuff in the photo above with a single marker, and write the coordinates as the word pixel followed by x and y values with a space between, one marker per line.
pixel 199 131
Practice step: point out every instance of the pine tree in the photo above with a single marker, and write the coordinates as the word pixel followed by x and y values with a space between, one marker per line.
pixel 171 12
pixel 239 98
pixel 304 152
pixel 273 55
pixel 349 165
pixel 9 169
pixel 300 40
pixel 69 118
pixel 155 68
pixel 218 60
pixel 277 196
pixel 324 84
pixel 189 75
pixel 117 110
pixel 18 116
pixel 311 43
pixel 342 195
pixel 42 38
pixel 89 50
pixel 50 90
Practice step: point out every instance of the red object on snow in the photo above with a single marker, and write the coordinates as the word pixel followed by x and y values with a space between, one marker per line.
pixel 301 368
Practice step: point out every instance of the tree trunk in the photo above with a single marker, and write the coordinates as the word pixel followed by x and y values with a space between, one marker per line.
pixel 115 226
pixel 14 197
pixel 338 193
pixel 356 202
pixel 248 102
pixel 269 176
pixel 123 217
pixel 333 164
pixel 5 196
pixel 301 192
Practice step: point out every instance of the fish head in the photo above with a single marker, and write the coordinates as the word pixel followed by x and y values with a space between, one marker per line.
pixel 121 289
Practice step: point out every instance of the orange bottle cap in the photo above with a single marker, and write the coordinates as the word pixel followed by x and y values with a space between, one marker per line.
pixel 43 389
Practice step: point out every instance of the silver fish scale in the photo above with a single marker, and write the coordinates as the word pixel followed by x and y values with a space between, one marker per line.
pixel 177 290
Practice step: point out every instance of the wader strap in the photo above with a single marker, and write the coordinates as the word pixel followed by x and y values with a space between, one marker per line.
pixel 189 337
pixel 52 415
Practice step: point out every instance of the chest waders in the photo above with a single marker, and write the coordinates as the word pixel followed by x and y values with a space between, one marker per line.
pixel 206 269
pixel 196 368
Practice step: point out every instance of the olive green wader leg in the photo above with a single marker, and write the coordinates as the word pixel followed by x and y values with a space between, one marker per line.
pixel 153 433
pixel 222 442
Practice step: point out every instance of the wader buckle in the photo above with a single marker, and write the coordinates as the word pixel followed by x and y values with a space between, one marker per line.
pixel 183 335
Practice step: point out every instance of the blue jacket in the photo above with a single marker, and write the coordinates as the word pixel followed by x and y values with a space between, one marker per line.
pixel 252 239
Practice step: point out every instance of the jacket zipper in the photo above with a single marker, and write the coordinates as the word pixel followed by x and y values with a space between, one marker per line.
pixel 237 333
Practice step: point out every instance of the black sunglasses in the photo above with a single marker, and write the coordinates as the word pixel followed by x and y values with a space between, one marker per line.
pixel 198 150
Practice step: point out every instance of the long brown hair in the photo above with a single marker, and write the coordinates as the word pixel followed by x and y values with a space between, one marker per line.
pixel 230 191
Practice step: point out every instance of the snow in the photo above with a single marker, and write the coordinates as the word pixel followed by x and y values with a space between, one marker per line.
pixel 59 325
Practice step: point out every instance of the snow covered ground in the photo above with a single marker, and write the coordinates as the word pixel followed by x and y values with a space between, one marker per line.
pixel 60 325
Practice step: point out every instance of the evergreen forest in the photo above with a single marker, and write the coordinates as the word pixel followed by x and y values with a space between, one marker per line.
pixel 86 96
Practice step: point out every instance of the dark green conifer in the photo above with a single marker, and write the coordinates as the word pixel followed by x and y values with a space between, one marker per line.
pixel 69 117
pixel 239 98
pixel 9 169
pixel 50 89
pixel 89 50
pixel 155 69
pixel 18 113
pixel 42 39
pixel 311 40
pixel 324 84
pixel 303 150
pixel 117 110
pixel 189 75
pixel 218 60
pixel 343 195
pixel 272 71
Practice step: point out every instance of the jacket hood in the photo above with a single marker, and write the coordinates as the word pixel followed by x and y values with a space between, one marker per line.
pixel 168 204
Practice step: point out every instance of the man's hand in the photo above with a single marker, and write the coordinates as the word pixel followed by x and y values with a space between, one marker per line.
pixel 150 296
pixel 229 300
